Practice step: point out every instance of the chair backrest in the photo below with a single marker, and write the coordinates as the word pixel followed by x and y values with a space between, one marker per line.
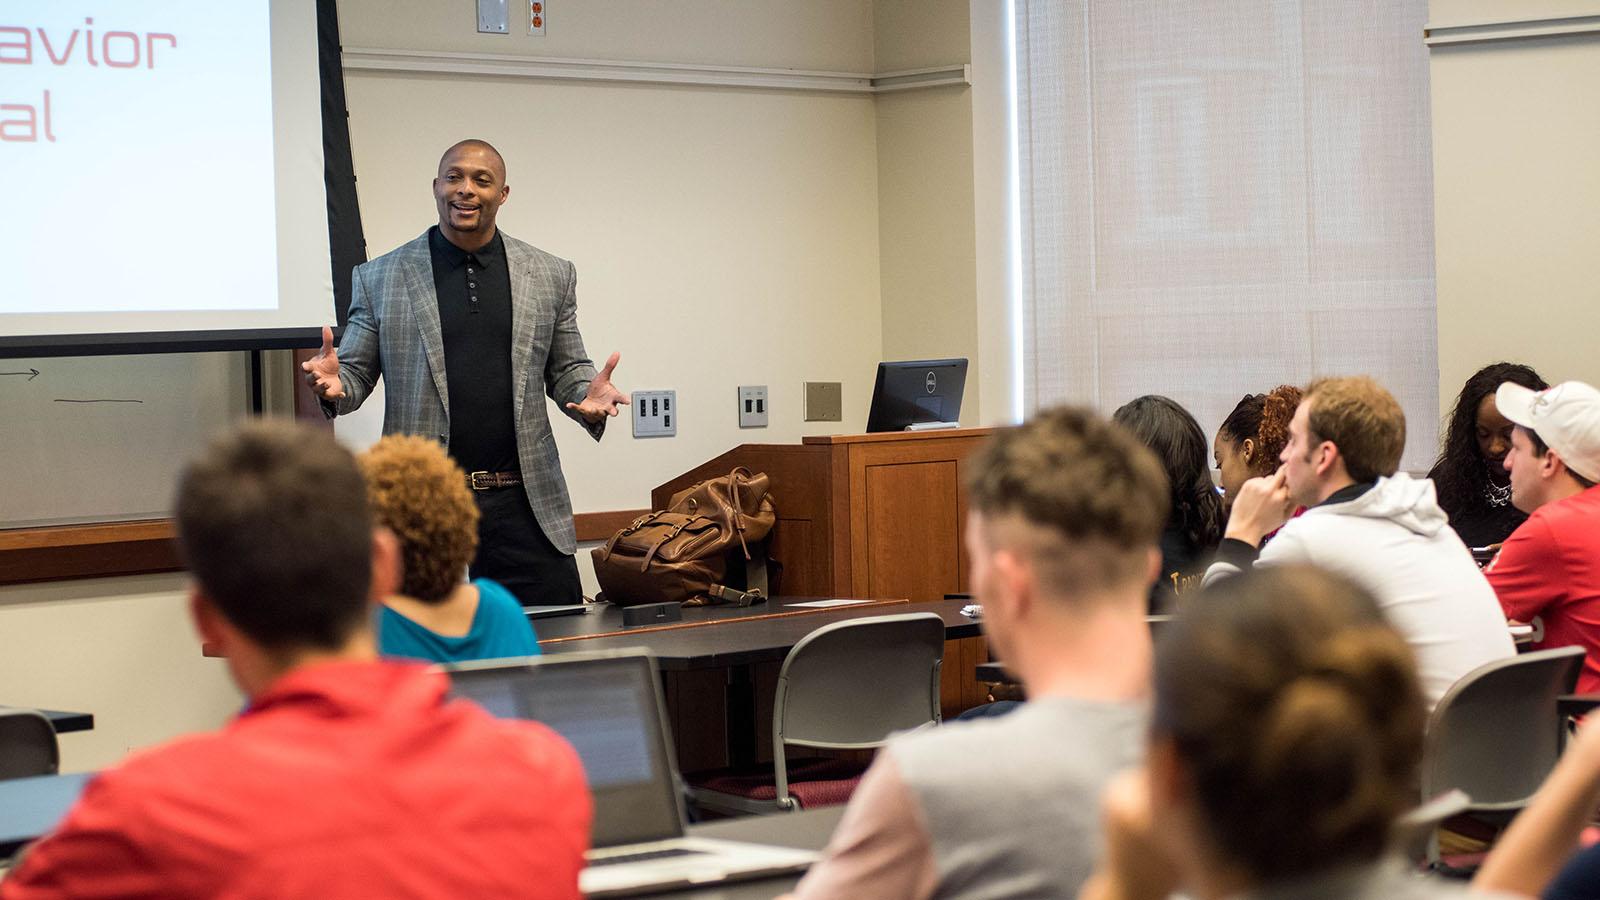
pixel 853 683
pixel 27 744
pixel 1496 734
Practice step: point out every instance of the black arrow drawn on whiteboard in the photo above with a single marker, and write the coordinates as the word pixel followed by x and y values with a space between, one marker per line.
pixel 59 400
pixel 31 373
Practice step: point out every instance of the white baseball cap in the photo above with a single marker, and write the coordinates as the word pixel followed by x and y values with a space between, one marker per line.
pixel 1567 418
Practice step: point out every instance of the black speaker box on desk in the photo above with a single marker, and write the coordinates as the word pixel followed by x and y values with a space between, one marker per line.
pixel 652 614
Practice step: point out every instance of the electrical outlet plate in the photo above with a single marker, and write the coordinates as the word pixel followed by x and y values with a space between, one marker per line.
pixel 752 406
pixel 538 12
pixel 494 16
pixel 824 401
pixel 655 413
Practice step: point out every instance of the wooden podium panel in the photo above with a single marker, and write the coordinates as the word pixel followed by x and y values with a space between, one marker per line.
pixel 869 515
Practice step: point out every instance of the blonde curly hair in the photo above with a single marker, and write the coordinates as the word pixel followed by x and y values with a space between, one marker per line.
pixel 420 494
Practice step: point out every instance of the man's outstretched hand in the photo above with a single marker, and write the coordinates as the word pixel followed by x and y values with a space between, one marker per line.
pixel 322 370
pixel 601 401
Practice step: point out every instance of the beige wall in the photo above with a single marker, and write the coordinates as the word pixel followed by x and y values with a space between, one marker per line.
pixel 1516 194
pixel 1479 12
pixel 925 192
pixel 120 648
pixel 828 35
pixel 757 211
pixel 722 236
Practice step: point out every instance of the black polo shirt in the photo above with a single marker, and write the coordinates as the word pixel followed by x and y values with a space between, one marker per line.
pixel 474 291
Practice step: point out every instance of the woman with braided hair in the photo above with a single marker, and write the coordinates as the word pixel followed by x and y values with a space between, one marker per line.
pixel 1252 436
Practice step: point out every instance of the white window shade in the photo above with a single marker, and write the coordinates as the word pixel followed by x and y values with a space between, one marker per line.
pixel 1220 197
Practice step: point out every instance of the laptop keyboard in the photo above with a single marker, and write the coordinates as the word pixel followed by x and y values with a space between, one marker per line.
pixel 667 853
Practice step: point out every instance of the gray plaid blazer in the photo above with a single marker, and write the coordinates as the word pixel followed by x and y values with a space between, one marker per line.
pixel 393 331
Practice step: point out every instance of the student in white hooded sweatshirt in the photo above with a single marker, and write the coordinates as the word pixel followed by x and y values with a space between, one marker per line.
pixel 1364 520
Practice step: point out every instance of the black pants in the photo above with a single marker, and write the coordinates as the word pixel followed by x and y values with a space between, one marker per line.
pixel 513 550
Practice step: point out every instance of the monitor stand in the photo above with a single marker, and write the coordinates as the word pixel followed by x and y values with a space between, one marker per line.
pixel 932 426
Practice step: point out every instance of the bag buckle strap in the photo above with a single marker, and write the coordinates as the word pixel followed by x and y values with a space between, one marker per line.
pixel 633 526
pixel 656 547
pixel 737 597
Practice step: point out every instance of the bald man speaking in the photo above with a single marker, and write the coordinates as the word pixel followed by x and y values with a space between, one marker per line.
pixel 460 322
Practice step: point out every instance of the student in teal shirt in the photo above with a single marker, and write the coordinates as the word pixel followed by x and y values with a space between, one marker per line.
pixel 421 495
pixel 498 629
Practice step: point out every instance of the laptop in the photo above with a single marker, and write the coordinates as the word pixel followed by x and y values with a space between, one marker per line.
pixel 609 707
pixel 551 612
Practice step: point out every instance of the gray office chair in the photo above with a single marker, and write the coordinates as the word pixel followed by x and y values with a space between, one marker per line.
pixel 27 744
pixel 1496 734
pixel 845 686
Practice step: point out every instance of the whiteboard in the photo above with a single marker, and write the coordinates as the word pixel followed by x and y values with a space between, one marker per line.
pixel 98 439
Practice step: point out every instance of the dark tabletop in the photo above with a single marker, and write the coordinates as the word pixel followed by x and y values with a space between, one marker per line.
pixel 995 673
pixel 727 636
pixel 64 721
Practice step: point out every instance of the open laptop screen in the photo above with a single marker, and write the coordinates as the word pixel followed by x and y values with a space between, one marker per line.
pixel 608 709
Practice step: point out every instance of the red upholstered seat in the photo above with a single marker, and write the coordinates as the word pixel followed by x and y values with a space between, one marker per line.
pixel 813 781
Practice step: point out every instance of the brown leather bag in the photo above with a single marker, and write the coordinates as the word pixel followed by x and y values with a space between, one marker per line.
pixel 681 554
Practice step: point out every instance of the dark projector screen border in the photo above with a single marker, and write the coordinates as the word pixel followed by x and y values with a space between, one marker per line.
pixel 132 344
pixel 347 245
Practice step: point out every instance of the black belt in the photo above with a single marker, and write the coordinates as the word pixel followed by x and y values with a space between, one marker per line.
pixel 488 481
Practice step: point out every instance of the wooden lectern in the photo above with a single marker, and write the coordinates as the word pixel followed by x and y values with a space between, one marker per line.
pixel 868 515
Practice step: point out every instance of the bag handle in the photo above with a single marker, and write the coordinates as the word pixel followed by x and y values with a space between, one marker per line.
pixel 738 513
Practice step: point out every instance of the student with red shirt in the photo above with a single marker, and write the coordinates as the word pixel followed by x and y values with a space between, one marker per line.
pixel 1550 566
pixel 345 776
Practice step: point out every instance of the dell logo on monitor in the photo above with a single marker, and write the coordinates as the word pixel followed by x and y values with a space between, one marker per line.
pixel 931 382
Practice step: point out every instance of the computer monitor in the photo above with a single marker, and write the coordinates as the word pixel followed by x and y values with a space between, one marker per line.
pixel 916 394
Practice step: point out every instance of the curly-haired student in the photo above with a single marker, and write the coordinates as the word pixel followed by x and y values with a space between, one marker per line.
pixel 1252 436
pixel 421 495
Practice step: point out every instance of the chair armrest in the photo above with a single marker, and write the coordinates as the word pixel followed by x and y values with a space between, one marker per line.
pixel 1576 704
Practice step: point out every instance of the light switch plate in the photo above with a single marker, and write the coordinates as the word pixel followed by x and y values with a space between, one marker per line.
pixel 494 16
pixel 824 401
pixel 752 406
pixel 655 413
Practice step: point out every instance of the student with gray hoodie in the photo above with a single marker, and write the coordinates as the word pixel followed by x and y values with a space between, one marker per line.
pixel 1378 527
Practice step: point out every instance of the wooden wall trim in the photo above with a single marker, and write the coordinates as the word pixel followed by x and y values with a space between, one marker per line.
pixel 599 526
pixel 87 551
pixel 61 552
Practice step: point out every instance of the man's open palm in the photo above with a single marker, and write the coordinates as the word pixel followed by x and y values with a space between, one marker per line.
pixel 603 396
pixel 322 370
